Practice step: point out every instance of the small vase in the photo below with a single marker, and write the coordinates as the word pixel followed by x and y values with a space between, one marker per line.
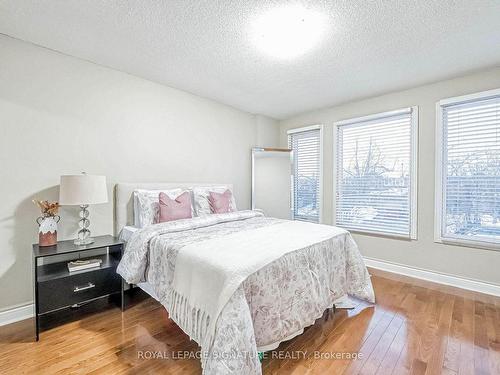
pixel 47 230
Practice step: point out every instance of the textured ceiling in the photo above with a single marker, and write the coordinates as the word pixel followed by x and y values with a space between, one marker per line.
pixel 204 47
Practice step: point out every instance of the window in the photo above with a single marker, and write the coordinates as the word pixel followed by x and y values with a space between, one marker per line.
pixel 306 177
pixel 468 170
pixel 376 173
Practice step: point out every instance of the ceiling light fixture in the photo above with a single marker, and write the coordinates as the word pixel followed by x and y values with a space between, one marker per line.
pixel 288 31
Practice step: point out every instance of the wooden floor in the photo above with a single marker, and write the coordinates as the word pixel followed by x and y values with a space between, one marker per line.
pixel 416 327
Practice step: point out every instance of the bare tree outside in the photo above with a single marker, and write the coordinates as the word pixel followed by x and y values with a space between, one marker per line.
pixel 375 184
pixel 473 194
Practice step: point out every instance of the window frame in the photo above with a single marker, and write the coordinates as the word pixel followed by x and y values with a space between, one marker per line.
pixel 413 195
pixel 292 176
pixel 440 192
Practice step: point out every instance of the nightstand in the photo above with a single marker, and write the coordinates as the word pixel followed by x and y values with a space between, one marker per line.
pixel 56 289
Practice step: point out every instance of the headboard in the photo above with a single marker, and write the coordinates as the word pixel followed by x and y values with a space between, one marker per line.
pixel 124 204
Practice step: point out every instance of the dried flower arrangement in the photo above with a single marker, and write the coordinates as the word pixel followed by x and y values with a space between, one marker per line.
pixel 47 208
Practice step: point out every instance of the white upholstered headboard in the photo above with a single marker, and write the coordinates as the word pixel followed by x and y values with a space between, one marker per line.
pixel 124 204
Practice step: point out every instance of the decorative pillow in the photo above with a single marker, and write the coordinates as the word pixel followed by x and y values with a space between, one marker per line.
pixel 147 205
pixel 174 209
pixel 220 203
pixel 200 198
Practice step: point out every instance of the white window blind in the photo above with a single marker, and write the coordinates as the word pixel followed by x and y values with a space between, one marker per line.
pixel 306 179
pixel 469 168
pixel 376 173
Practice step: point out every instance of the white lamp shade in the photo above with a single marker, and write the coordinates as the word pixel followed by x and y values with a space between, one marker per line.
pixel 82 189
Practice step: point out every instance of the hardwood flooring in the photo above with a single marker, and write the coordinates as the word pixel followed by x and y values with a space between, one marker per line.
pixel 416 327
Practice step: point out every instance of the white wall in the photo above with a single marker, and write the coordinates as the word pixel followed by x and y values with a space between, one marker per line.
pixel 424 253
pixel 268 131
pixel 60 115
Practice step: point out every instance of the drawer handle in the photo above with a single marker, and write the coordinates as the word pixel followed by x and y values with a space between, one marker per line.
pixel 82 288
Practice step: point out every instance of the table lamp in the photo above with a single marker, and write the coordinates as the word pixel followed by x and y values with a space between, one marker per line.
pixel 83 190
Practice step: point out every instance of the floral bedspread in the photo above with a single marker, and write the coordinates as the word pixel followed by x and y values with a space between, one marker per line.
pixel 272 305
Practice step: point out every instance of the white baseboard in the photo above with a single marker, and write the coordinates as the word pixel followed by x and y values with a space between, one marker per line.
pixel 440 278
pixel 27 311
pixel 16 314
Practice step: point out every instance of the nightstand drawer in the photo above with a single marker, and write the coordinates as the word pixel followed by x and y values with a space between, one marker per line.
pixel 67 291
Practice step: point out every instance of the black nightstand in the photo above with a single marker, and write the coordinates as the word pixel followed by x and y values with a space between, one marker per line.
pixel 56 289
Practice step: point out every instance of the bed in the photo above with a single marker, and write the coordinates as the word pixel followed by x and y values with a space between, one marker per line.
pixel 239 283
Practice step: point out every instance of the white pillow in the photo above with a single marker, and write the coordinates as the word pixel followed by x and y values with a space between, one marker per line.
pixel 147 205
pixel 200 198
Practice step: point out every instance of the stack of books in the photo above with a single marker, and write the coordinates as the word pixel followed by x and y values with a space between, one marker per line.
pixel 79 265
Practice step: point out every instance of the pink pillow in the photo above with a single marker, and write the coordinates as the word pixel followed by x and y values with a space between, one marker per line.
pixel 220 203
pixel 175 209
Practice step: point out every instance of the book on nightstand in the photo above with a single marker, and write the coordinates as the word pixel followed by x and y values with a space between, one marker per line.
pixel 80 265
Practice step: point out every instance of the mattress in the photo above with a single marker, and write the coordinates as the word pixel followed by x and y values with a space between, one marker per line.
pixel 127 232
pixel 125 235
pixel 272 305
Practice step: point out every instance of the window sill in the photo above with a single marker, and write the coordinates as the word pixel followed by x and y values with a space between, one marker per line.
pixel 392 236
pixel 483 245
pixel 306 220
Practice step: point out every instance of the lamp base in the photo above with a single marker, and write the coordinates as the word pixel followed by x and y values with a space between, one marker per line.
pixel 83 241
pixel 83 238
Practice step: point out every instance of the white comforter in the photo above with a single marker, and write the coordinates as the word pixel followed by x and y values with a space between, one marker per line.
pixel 204 268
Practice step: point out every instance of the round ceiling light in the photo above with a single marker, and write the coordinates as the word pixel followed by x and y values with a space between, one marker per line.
pixel 289 31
